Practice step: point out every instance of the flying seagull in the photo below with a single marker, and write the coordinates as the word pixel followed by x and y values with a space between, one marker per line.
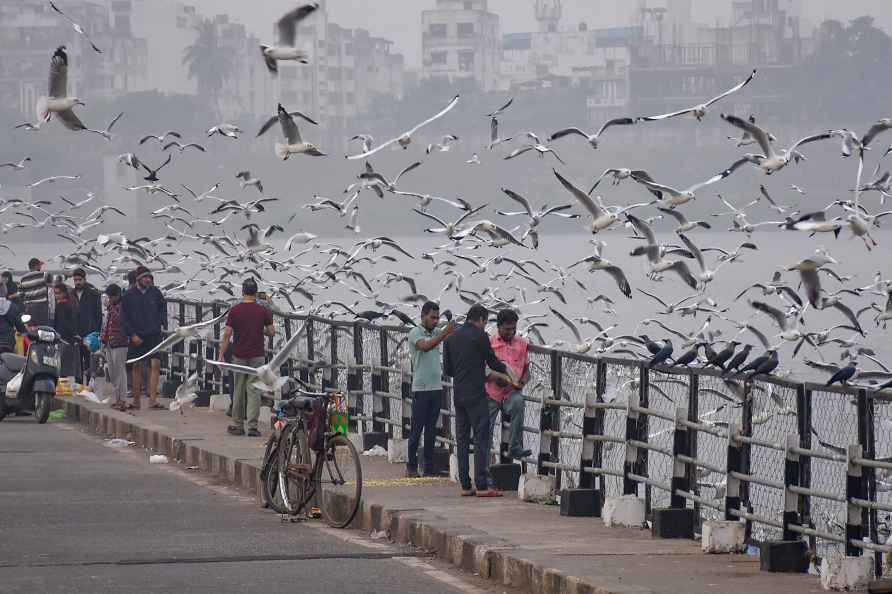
pixel 58 102
pixel 699 111
pixel 294 144
pixel 77 27
pixel 771 161
pixel 268 378
pixel 602 217
pixel 17 166
pixel 287 29
pixel 107 132
pixel 201 329
pixel 405 139
pixel 153 173
pixel 593 138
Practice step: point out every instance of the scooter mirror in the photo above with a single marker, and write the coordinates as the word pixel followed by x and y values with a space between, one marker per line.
pixel 26 318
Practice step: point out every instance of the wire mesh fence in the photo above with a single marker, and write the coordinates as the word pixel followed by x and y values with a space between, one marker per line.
pixel 577 422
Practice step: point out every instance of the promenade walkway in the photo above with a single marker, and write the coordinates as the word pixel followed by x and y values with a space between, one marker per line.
pixel 523 545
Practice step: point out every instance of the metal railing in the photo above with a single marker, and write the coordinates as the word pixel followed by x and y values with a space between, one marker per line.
pixel 792 460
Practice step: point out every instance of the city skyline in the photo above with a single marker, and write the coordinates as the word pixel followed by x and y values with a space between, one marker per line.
pixel 515 15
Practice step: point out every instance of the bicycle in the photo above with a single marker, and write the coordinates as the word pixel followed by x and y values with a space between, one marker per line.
pixel 293 476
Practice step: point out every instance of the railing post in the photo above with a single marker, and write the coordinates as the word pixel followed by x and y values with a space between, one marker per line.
pixel 355 383
pixel 589 427
pixel 175 363
pixel 633 421
pixel 855 489
pixel 681 446
pixel 384 383
pixel 733 463
pixel 792 475
pixel 746 428
pixel 289 363
pixel 311 349
pixel 693 416
pixel 330 375
pixel 598 452
pixel 549 421
pixel 804 421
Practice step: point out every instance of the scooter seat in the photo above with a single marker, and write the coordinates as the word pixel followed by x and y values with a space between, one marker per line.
pixel 12 362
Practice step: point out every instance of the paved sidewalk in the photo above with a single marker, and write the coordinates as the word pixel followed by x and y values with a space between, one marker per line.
pixel 519 544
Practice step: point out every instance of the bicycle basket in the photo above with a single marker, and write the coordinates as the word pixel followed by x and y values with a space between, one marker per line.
pixel 338 417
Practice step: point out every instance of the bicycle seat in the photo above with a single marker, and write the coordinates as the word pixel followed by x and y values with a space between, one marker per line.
pixel 13 362
pixel 298 403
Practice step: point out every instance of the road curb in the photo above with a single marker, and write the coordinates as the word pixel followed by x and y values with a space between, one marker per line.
pixel 467 548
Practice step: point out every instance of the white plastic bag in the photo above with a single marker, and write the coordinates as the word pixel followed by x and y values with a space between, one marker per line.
pixel 13 385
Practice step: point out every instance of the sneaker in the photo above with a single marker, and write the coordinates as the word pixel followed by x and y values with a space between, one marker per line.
pixel 412 473
pixel 234 430
pixel 253 432
pixel 488 493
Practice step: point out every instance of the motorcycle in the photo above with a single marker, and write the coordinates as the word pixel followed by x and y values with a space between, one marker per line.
pixel 28 384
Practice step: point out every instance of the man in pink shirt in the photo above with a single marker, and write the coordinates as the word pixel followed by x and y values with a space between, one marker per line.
pixel 504 396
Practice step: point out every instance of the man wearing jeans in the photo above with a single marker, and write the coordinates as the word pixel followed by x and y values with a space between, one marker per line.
pixel 248 322
pixel 503 396
pixel 427 386
pixel 465 355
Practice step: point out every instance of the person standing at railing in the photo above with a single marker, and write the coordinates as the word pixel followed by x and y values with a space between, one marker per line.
pixel 246 325
pixel 425 350
pixel 89 316
pixel 145 312
pixel 115 343
pixel 36 291
pixel 505 396
pixel 466 354
pixel 65 323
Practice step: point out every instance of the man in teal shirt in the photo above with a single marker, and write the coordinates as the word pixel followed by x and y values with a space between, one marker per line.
pixel 427 385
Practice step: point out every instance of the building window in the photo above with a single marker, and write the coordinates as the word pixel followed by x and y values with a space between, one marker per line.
pixel 465 60
pixel 466 30
pixel 438 57
pixel 437 30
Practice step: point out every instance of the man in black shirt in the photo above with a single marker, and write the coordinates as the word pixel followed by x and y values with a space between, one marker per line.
pixel 466 353
pixel 88 304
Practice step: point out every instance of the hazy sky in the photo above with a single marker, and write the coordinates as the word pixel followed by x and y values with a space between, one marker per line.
pixel 400 20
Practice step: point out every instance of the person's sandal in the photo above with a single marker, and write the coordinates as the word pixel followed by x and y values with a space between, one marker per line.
pixel 489 493
pixel 468 493
pixel 157 406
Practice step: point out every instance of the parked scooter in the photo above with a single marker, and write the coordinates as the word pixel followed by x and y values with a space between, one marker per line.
pixel 29 383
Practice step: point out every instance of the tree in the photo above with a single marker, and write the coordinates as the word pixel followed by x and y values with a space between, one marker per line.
pixel 210 62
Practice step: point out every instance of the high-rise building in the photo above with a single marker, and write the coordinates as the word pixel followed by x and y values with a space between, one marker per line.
pixel 461 40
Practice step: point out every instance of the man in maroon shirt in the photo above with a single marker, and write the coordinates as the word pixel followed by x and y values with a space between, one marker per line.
pixel 249 322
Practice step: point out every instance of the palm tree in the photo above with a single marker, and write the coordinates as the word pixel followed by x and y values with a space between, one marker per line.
pixel 210 63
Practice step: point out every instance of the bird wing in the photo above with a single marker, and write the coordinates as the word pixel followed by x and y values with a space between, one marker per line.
pixel 755 131
pixel 58 82
pixel 698 255
pixel 70 120
pixel 437 116
pixel 170 144
pixel 167 342
pixel 584 199
pixel 643 228
pixel 501 109
pixel 776 314
pixel 568 324
pixel 287 25
pixel 764 192
pixel 849 314
pixel 114 121
pixel 289 127
pixel 809 139
pixel 666 116
pixel 874 131
pixel 621 281
pixel 758 334
pixel 493 130
pixel 647 181
pixel 617 122
pixel 405 171
pixel 721 175
pixel 675 214
pixel 652 296
pixel 681 268
pixel 519 199
pixel 267 125
pixel 518 151
pixel 812 283
pixel 733 89
pixel 567 132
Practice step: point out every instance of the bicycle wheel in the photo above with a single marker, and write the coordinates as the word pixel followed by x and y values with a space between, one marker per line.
pixel 293 469
pixel 269 477
pixel 339 482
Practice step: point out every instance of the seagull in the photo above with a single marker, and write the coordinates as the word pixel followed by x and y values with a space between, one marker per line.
pixel 371 175
pixel 367 140
pixel 162 138
pixel 17 166
pixel 326 203
pixel 58 102
pixel 494 139
pixel 203 195
pixel 198 330
pixel 497 112
pixel 53 179
pixel 597 263
pixel 268 378
pixel 602 217
pixel 774 206
pixel 652 251
pixel 247 180
pixel 684 225
pixel 808 271
pixel 294 144
pixel 427 199
pixel 674 197
pixel 107 132
pixel 746 138
pixel 287 29
pixel 444 146
pixel 617 175
pixel 699 111
pixel 539 148
pixel 228 130
pixel 882 184
pixel 183 147
pixel 447 228
pixel 593 138
pixel 275 119
pixel 475 160
pixel 770 161
pixel 299 238
pixel 130 160
pixel 77 27
pixel 405 139
pixel 499 236
pixel 788 332
pixel 535 216
pixel 153 173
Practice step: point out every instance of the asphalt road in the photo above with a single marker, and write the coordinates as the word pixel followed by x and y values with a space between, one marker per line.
pixel 79 517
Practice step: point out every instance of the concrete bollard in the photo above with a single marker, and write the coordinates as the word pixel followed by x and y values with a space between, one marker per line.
pixel 397 451
pixel 220 402
pixel 626 510
pixel 846 573
pixel 724 536
pixel 531 487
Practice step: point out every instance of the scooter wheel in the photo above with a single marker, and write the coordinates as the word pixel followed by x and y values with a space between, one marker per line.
pixel 43 404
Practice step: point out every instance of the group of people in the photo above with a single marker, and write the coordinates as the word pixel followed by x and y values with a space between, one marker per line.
pixel 126 323
pixel 464 353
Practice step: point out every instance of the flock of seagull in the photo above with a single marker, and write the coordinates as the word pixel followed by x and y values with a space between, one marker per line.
pixel 226 257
